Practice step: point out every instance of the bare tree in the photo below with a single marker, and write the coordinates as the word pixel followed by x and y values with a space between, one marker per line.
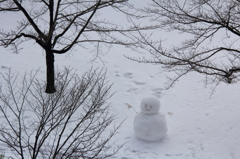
pixel 67 124
pixel 210 33
pixel 58 25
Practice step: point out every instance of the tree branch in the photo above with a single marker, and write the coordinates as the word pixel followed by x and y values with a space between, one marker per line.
pixel 67 48
pixel 41 35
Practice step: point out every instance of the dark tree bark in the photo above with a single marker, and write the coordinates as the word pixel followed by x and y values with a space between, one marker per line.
pixel 50 88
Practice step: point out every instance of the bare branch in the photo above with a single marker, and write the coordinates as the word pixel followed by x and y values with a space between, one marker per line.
pixel 30 19
pixel 67 124
pixel 210 47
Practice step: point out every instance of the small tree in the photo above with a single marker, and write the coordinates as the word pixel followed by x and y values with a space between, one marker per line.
pixel 210 32
pixel 67 124
pixel 58 25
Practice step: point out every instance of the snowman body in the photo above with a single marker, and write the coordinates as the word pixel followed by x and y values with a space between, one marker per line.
pixel 150 124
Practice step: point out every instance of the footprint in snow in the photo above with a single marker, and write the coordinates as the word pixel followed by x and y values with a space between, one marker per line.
pixel 139 83
pixel 4 67
pixel 157 92
pixel 132 90
pixel 117 73
pixel 128 75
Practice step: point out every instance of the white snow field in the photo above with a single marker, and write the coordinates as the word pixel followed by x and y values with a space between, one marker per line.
pixel 200 125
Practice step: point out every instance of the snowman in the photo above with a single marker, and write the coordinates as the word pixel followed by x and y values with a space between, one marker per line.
pixel 150 124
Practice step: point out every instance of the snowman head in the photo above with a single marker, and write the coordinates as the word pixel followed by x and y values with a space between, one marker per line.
pixel 150 105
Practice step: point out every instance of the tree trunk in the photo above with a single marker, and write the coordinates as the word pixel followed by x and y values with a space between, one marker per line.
pixel 50 71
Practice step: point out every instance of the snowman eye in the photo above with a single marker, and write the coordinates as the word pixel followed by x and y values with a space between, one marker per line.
pixel 148 107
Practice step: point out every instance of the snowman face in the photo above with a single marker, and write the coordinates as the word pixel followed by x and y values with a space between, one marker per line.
pixel 150 105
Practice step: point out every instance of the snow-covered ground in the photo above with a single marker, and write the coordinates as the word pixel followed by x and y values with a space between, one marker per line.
pixel 200 125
